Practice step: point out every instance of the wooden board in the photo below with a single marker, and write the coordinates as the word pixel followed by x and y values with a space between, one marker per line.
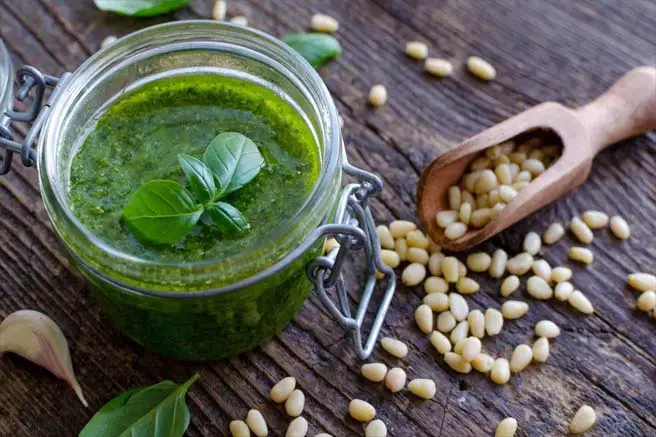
pixel 557 50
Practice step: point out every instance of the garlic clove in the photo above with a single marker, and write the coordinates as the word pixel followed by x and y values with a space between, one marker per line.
pixel 36 337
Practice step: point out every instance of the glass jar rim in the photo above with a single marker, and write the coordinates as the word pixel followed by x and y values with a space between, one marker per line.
pixel 103 59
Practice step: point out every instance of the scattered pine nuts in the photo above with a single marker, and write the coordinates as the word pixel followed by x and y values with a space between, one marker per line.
pixel 554 232
pixel 483 363
pixel 283 389
pixel 547 328
pixel 581 254
pixel 509 285
pixel 476 321
pixel 424 388
pixel 394 347
pixel 324 23
pixel 471 348
pixel 647 301
pixel 446 322
pixel 297 428
pixel 424 318
pixel 435 284
pixel 506 428
pixel 467 285
pixel 583 420
pixel 400 228
pixel 375 428
pixel 413 274
pixel 532 243
pixel 520 264
pixel 513 309
pixel 374 372
pixel 238 428
pixel 390 258
pixel 438 67
pixel 500 371
pixel 240 20
pixel 542 269
pixel 541 350
pixel 521 357
pixel 417 255
pixel 416 50
pixel 619 227
pixel 642 281
pixel 378 95
pixel 385 237
pixel 493 321
pixel 435 264
pixel 401 248
pixel 581 230
pixel 499 263
pixel 580 302
pixel 458 307
pixel 479 262
pixel 561 274
pixel 457 363
pixel 417 238
pixel 460 332
pixel 440 342
pixel 595 219
pixel 437 301
pixel 450 269
pixel 295 403
pixel 219 10
pixel 455 230
pixel 563 291
pixel 361 411
pixel 538 288
pixel 395 379
pixel 481 68
pixel 257 424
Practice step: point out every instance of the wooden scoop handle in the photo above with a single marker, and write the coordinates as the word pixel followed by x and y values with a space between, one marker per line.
pixel 627 109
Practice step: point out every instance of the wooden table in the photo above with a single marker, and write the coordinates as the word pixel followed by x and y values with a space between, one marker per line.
pixel 562 50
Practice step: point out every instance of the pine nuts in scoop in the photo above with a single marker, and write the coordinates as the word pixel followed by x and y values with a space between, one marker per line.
pixel 257 424
pixel 500 372
pixel 424 388
pixel 295 403
pixel 361 411
pixel 513 309
pixel 394 347
pixel 619 227
pixel 481 68
pixel 521 357
pixel 455 230
pixel 324 23
pixel 374 372
pixel 438 67
pixel 424 318
pixel 375 428
pixel 378 95
pixel 547 328
pixel 283 389
pixel 583 420
pixel 297 428
pixel 445 218
pixel 416 50
pixel 395 379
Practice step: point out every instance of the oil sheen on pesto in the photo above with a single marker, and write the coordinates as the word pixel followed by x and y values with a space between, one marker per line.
pixel 139 137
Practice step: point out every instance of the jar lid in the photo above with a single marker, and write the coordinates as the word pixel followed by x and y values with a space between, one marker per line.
pixel 6 79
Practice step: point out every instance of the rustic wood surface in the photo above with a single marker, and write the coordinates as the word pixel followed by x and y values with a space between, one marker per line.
pixel 562 50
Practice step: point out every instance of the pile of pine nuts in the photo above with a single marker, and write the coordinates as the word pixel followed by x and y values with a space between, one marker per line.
pixel 493 180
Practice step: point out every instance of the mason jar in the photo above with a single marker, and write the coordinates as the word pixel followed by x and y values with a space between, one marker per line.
pixel 209 308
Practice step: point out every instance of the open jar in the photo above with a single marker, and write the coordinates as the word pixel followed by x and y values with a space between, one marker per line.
pixel 214 307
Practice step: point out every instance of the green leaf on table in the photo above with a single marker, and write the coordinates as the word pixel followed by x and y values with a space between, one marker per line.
pixel 161 212
pixel 200 178
pixel 227 218
pixel 234 159
pixel 316 48
pixel 140 8
pixel 156 411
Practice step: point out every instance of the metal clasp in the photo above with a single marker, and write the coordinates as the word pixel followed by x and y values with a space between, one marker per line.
pixel 355 229
pixel 30 82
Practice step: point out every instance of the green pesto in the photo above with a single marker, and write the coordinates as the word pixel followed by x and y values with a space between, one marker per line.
pixel 139 137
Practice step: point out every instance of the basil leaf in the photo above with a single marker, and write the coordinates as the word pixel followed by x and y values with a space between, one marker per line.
pixel 227 218
pixel 234 159
pixel 200 178
pixel 161 212
pixel 156 411
pixel 140 8
pixel 316 48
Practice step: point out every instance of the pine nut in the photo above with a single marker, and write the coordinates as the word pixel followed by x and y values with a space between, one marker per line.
pixel 513 309
pixel 108 41
pixel 283 389
pixel 378 95
pixel 395 379
pixel 532 243
pixel 435 264
pixel 467 285
pixel 440 342
pixel 476 321
pixel 385 237
pixel 533 166
pixel 493 321
pixel 561 274
pixel 424 318
pixel 595 219
pixel 295 403
pixel 647 301
pixel 361 411
pixel 394 347
pixel 219 10
pixel 324 23
pixel 563 290
pixel 583 420
pixel 457 363
pixel 240 20
pixel 450 268
pixel 446 322
pixel 580 302
pixel 642 281
pixel 374 372
pixel 542 269
pixel 416 50
pixel 455 230
pixel 438 67
pixel 376 428
pixel 471 348
pixel 417 238
pixel 483 363
pixel 481 68
pixel 446 217
pixel 390 258
pixel 400 228
pixel 480 217
pixel 458 307
pixel 580 254
pixel 464 214
pixel 541 350
pixel 547 328
pixel 257 424
pixel 413 274
pixel 521 357
pixel 500 372
pixel 401 248
pixel 499 263
pixel 435 284
pixel 297 428
pixel 520 264
pixel 417 255
pixel 479 262
pixel 424 388
pixel 238 428
pixel 509 285
pixel 460 332
pixel 538 288
pixel 581 230
pixel 506 428
pixel 554 232
pixel 619 227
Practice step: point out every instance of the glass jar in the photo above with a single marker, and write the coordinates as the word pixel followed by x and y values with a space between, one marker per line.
pixel 211 308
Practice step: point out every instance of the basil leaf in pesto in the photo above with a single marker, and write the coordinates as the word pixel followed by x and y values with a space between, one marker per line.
pixel 316 48
pixel 140 8
pixel 161 212
pixel 234 159
pixel 200 178
pixel 227 218
pixel 156 411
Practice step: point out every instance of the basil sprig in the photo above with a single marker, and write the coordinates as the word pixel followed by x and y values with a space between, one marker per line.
pixel 316 48
pixel 140 8
pixel 156 411
pixel 164 211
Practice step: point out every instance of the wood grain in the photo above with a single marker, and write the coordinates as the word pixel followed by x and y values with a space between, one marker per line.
pixel 558 50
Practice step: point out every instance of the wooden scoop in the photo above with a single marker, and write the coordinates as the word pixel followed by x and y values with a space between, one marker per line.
pixel 627 109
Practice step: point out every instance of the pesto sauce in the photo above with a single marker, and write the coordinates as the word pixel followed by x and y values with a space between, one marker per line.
pixel 138 138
